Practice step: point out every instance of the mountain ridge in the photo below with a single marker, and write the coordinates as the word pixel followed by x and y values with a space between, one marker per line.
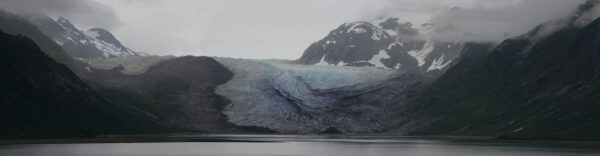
pixel 43 98
pixel 527 87
pixel 90 44
pixel 383 43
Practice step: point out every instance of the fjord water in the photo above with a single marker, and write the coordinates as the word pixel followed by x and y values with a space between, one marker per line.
pixel 298 145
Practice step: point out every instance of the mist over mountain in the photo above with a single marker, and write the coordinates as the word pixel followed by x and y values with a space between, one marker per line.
pixel 383 43
pixel 87 13
pixel 43 98
pixel 536 85
pixel 93 43
pixel 147 103
pixel 481 20
pixel 509 70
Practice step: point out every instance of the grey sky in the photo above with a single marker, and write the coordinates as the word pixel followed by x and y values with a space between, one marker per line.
pixel 284 28
pixel 488 20
pixel 234 28
pixel 87 13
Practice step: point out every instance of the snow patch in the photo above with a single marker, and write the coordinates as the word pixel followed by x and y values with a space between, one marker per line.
pixel 438 64
pixel 420 55
pixel 376 59
pixel 71 39
pixel 59 42
pixel 330 42
pixel 391 32
pixel 322 62
pixel 359 30
pixel 517 130
pixel 353 25
pixel 397 43
pixel 397 66
pixel 92 34
pixel 377 35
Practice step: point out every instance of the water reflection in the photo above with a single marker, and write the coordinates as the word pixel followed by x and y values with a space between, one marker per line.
pixel 233 145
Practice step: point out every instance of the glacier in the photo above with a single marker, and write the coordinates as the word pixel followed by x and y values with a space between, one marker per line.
pixel 293 98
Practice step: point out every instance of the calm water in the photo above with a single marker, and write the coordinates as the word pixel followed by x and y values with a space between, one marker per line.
pixel 297 145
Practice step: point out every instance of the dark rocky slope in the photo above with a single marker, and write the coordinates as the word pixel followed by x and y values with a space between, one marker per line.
pixel 532 86
pixel 40 97
pixel 13 24
pixel 166 92
pixel 184 84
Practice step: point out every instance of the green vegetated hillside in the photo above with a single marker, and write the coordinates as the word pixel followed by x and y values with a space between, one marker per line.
pixel 534 86
pixel 43 98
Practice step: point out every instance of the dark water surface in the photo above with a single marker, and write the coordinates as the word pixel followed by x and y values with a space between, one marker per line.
pixel 285 145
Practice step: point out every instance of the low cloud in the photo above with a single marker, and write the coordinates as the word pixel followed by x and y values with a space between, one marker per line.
pixel 487 20
pixel 86 13
pixel 283 29
pixel 479 20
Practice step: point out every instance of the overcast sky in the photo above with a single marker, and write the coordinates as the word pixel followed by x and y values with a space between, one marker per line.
pixel 283 29
pixel 234 28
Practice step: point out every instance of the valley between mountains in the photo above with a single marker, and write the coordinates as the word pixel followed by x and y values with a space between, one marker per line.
pixel 366 77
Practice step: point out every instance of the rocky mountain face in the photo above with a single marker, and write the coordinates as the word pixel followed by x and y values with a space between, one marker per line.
pixel 184 85
pixel 43 98
pixel 13 24
pixel 385 43
pixel 537 85
pixel 132 65
pixel 90 44
pixel 169 92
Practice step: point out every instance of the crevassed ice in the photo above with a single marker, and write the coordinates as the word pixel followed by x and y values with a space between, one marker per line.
pixel 297 98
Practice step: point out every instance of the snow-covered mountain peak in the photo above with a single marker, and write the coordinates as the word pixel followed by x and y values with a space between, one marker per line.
pixel 103 35
pixel 384 43
pixel 65 24
pixel 107 43
pixel 91 44
pixel 61 20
